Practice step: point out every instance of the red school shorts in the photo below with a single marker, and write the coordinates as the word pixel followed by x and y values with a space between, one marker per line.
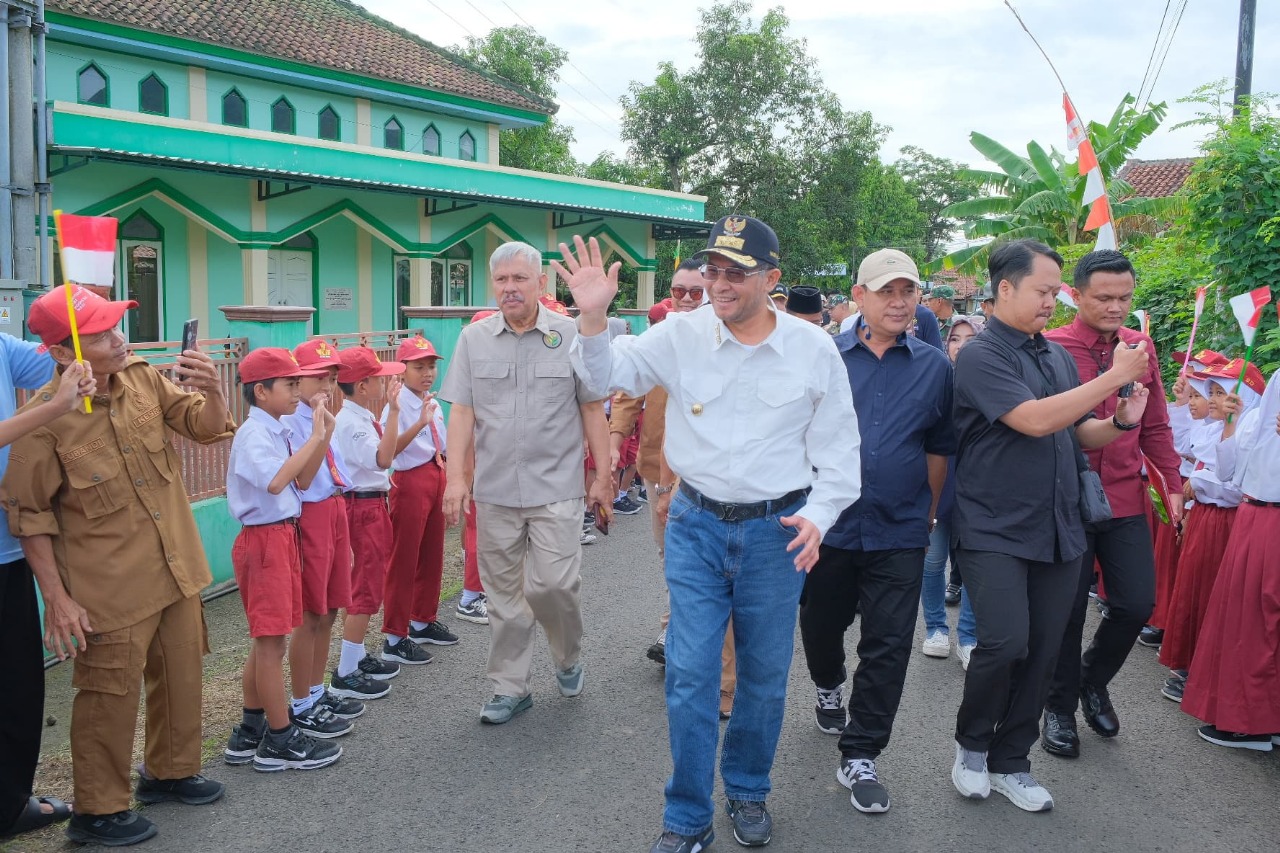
pixel 326 555
pixel 269 571
pixel 370 524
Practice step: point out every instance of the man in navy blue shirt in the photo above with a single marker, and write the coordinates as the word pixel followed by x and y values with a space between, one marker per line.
pixel 874 555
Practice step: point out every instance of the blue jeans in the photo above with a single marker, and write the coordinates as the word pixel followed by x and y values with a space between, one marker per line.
pixel 716 568
pixel 934 589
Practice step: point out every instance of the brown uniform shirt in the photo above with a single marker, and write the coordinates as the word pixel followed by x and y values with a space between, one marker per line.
pixel 622 420
pixel 107 486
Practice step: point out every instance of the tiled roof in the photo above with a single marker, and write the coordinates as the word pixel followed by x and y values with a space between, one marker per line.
pixel 1156 178
pixel 333 34
pixel 965 285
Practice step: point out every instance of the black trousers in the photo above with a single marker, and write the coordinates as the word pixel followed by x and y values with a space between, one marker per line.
pixel 1021 608
pixel 1123 549
pixel 21 649
pixel 887 586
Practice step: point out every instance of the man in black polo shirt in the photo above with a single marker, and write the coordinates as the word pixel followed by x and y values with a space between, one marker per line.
pixel 1016 521
pixel 874 554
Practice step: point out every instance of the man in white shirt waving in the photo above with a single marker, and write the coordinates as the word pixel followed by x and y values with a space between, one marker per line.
pixel 764 439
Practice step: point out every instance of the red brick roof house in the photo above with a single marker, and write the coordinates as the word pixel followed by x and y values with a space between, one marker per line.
pixel 1156 178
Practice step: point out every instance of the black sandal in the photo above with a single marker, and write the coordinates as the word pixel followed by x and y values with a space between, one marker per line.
pixel 34 817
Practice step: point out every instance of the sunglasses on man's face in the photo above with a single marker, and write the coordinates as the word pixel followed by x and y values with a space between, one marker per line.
pixel 733 275
pixel 682 292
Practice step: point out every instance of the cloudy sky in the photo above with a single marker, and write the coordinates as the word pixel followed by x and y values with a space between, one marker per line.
pixel 933 70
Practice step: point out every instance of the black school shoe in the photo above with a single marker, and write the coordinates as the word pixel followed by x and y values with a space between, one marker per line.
pixel 378 670
pixel 1151 637
pixel 110 830
pixel 674 842
pixel 294 750
pixel 193 790
pixel 405 652
pixel 435 633
pixel 242 745
pixel 1235 740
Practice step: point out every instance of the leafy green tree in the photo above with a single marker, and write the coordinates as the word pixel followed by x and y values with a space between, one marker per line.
pixel 1041 195
pixel 937 183
pixel 527 59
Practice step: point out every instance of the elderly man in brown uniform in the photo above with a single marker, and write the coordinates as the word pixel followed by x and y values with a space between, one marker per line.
pixel 97 501
pixel 687 291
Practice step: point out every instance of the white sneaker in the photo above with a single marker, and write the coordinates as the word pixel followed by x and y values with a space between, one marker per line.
pixel 964 651
pixel 969 774
pixel 1023 791
pixel 587 538
pixel 937 644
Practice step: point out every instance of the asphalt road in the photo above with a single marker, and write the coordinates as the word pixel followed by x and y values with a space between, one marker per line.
pixel 421 773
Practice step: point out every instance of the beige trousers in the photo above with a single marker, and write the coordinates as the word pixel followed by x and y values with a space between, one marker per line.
pixel 165 651
pixel 531 567
pixel 728 660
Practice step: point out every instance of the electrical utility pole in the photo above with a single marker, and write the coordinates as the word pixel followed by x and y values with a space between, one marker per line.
pixel 1244 53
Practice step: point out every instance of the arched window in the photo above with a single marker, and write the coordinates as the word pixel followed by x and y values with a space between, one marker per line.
pixel 330 125
pixel 139 227
pixel 93 86
pixel 283 117
pixel 235 109
pixel 431 141
pixel 466 146
pixel 153 96
pixel 393 134
pixel 305 240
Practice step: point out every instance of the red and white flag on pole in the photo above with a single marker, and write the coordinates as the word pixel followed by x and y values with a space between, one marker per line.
pixel 88 248
pixel 1095 188
pixel 1144 322
pixel 1248 310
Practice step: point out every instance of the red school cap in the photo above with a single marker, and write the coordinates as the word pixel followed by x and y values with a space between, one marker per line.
pixel 274 363
pixel 48 317
pixel 412 349
pixel 359 363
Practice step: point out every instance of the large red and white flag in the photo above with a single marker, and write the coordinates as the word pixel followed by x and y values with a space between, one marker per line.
pixel 1095 188
pixel 88 248
pixel 1248 310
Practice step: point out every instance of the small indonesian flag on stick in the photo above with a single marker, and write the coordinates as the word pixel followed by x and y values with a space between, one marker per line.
pixel 1201 292
pixel 1248 310
pixel 1144 322
pixel 87 247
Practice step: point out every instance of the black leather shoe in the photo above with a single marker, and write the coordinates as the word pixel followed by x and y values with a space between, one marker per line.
pixel 952 596
pixel 1059 736
pixel 1095 702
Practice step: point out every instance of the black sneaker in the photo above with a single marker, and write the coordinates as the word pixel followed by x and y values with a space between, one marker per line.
pixel 110 830
pixel 293 750
pixel 1258 743
pixel 642 496
pixel 378 670
pixel 242 745
pixel 406 651
pixel 625 506
pixel 671 842
pixel 829 712
pixel 193 790
pixel 435 633
pixel 357 685
pixel 588 519
pixel 866 792
pixel 1151 637
pixel 1173 688
pixel 319 721
pixel 658 651
pixel 340 707
pixel 752 825
pixel 952 596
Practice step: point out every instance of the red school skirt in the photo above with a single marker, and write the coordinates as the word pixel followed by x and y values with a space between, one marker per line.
pixel 1204 541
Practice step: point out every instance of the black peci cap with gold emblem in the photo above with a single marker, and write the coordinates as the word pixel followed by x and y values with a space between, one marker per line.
pixel 745 240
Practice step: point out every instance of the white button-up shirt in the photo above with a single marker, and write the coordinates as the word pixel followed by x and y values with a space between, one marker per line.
pixel 422 449
pixel 356 440
pixel 744 423
pixel 259 450
pixel 322 485
pixel 1251 457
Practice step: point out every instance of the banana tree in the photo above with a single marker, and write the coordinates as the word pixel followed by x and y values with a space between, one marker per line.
pixel 1039 196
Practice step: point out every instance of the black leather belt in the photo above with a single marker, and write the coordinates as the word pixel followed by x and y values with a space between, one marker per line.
pixel 741 512
pixel 1256 502
pixel 370 495
pixel 291 522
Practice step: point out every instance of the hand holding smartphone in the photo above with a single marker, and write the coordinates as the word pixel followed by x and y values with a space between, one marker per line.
pixel 189 331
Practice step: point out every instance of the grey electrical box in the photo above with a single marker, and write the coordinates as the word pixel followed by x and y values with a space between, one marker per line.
pixel 13 314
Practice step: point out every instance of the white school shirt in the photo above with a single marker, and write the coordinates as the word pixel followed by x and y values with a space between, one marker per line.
pixel 261 447
pixel 1251 457
pixel 356 440
pixel 422 449
pixel 322 486
pixel 744 424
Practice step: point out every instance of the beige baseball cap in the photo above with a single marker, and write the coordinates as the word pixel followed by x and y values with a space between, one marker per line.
pixel 881 267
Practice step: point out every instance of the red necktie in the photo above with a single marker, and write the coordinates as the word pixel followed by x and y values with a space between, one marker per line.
pixel 377 427
pixel 333 469
pixel 435 439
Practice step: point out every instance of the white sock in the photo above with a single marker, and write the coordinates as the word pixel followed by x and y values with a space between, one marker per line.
pixel 301 706
pixel 317 691
pixel 393 639
pixel 416 625
pixel 620 496
pixel 350 659
pixel 468 596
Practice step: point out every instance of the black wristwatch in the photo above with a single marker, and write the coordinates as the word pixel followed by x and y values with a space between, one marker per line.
pixel 1115 422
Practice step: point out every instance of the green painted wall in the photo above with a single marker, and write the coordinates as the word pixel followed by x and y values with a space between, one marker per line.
pixel 337 269
pixel 123 73
pixel 415 124
pixel 226 283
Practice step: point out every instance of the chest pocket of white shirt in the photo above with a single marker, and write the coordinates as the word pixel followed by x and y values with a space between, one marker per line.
pixel 699 390
pixel 495 389
pixel 552 385
pixel 784 407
